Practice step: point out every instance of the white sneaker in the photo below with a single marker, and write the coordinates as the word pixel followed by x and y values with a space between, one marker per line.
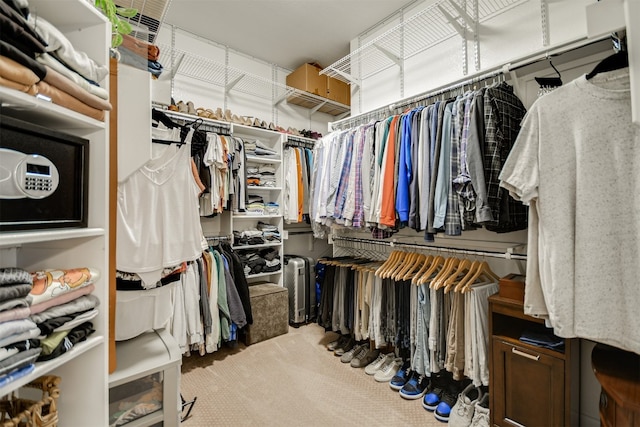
pixel 462 412
pixel 374 366
pixel 387 371
pixel 481 414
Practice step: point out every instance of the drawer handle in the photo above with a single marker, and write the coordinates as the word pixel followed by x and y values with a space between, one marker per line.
pixel 523 354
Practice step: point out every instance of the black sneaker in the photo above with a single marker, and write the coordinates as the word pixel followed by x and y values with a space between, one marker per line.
pixel 401 377
pixel 342 339
pixel 433 393
pixel 416 387
pixel 348 345
pixel 444 407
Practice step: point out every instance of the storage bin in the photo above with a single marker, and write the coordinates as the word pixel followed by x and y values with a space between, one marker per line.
pixel 270 309
pixel 145 387
pixel 512 287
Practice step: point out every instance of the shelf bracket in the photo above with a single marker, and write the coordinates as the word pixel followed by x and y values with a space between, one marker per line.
pixel 464 31
pixel 234 82
pixel 349 77
pixel 281 99
pixel 176 66
pixel 317 107
pixel 343 115
pixel 390 55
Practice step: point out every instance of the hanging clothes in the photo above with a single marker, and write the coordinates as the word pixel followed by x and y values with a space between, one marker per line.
pixel 158 224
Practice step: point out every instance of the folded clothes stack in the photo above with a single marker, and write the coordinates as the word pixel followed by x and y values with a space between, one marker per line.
pixel 256 261
pixel 248 237
pixel 39 60
pixel 140 54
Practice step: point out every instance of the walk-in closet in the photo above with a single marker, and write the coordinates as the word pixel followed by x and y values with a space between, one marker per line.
pixel 311 213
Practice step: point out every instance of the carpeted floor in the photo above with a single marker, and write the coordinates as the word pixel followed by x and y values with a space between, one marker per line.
pixel 291 380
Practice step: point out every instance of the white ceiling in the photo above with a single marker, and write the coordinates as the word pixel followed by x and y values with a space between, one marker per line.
pixel 287 33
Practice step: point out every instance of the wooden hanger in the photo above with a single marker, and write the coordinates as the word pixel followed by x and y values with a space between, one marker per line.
pixel 483 271
pixel 454 278
pixel 409 263
pixel 391 260
pixel 416 267
pixel 444 272
pixel 425 265
pixel 438 262
pixel 402 256
pixel 470 273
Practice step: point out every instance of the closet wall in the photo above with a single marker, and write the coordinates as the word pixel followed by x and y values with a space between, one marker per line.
pixel 506 37
pixel 514 30
pixel 204 93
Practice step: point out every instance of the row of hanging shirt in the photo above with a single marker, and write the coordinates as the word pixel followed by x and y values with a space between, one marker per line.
pixel 298 164
pixel 433 310
pixel 433 168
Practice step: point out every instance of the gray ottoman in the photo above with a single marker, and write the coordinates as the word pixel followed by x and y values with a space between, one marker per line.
pixel 270 309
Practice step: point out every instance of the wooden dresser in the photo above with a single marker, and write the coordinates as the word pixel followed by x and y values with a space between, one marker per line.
pixel 619 375
pixel 530 385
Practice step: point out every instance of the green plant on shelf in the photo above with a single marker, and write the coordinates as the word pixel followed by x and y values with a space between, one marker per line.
pixel 114 13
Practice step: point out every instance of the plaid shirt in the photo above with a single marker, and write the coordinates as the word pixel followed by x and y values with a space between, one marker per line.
pixel 343 184
pixel 503 114
pixel 452 222
pixel 358 215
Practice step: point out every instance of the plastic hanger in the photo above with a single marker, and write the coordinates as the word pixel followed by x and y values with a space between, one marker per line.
pixel 550 81
pixel 618 60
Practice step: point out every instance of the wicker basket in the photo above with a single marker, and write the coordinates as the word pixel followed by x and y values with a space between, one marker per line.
pixel 20 412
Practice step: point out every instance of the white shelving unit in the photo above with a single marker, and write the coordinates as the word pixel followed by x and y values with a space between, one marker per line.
pixel 233 79
pixel 83 399
pixel 243 221
pixel 430 26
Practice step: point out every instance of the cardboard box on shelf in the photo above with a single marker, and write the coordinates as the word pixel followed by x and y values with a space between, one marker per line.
pixel 338 91
pixel 307 78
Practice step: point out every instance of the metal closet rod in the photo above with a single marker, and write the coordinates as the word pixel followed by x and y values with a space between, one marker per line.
pixel 493 254
pixel 508 68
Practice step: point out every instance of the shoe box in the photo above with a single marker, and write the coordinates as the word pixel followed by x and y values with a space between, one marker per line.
pixel 307 78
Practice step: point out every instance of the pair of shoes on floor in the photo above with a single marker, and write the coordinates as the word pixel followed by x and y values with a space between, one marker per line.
pixel 346 346
pixel 378 362
pixel 362 356
pixel 340 341
pixel 388 370
pixel 471 409
pixel 415 387
pixel 443 394
pixel 401 376
pixel 409 383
